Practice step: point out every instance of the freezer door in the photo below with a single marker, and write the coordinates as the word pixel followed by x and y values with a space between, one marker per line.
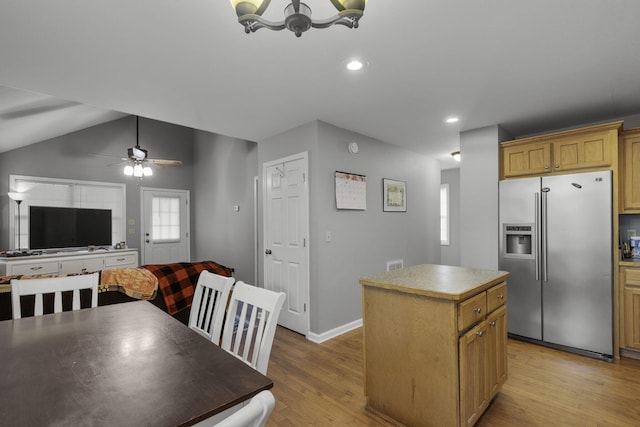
pixel 577 292
pixel 518 206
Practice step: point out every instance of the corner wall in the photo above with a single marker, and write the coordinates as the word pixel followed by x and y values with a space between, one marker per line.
pixel 223 177
pixel 363 241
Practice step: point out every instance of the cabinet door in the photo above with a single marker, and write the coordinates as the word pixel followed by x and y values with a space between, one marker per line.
pixel 527 159
pixel 585 151
pixel 630 277
pixel 631 153
pixel 497 350
pixel 474 385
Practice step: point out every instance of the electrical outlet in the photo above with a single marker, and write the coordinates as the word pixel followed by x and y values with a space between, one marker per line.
pixel 395 264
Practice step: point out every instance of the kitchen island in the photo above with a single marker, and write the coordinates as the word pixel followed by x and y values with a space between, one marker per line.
pixel 434 343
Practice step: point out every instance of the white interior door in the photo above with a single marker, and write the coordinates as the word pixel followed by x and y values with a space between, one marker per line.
pixel 165 226
pixel 286 237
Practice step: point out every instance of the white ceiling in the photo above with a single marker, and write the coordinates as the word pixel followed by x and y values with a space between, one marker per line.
pixel 529 66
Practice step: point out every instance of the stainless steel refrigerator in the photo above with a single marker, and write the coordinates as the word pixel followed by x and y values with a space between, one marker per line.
pixel 556 241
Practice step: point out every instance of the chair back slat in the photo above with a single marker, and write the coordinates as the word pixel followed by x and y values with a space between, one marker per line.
pixel 56 286
pixel 208 306
pixel 251 322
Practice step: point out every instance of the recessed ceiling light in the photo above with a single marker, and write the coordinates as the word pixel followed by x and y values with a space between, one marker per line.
pixel 355 65
pixel 452 120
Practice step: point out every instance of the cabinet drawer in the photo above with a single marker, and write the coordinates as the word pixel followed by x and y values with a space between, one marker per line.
pixel 472 311
pixel 121 260
pixel 496 296
pixel 35 268
pixel 77 266
pixel 632 276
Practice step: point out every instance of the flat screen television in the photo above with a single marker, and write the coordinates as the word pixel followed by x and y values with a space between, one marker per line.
pixel 55 227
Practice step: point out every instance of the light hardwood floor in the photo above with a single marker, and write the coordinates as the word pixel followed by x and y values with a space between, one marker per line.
pixel 322 385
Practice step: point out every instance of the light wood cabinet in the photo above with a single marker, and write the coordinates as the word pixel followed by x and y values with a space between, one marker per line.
pixel 526 159
pixel 483 361
pixel 588 148
pixel 434 343
pixel 631 171
pixel 630 279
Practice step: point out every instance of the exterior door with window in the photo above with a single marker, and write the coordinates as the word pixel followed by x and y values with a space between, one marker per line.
pixel 286 231
pixel 165 226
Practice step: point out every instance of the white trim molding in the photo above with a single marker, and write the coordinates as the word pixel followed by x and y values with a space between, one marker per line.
pixel 335 332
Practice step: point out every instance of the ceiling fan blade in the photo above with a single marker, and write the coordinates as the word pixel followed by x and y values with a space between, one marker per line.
pixel 165 162
pixel 119 163
pixel 106 156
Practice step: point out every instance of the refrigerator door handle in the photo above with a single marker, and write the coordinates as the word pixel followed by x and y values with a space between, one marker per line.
pixel 543 235
pixel 536 201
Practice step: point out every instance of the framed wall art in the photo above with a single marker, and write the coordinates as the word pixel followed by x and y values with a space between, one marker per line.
pixel 394 195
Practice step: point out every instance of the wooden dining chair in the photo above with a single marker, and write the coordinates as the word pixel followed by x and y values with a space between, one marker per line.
pixel 209 304
pixel 253 414
pixel 55 286
pixel 250 325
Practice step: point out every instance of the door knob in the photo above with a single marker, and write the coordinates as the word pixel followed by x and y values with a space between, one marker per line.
pixel 268 252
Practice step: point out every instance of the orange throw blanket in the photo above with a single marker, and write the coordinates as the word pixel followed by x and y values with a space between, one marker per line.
pixel 178 281
pixel 134 282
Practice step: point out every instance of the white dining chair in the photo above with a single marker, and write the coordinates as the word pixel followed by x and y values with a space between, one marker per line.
pixel 250 325
pixel 253 414
pixel 55 286
pixel 209 304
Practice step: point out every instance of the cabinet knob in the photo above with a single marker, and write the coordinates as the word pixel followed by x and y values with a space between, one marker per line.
pixel 557 166
pixel 492 323
pixel 500 296
pixel 480 333
pixel 478 310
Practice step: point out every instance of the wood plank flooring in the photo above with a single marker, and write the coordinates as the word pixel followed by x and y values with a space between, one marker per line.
pixel 322 385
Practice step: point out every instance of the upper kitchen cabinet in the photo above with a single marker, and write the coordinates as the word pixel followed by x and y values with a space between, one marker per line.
pixel 589 148
pixel 630 164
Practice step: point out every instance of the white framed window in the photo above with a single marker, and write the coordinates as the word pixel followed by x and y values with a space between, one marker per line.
pixel 444 214
pixel 165 219
pixel 42 191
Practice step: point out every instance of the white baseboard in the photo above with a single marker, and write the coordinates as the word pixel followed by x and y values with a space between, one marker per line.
pixel 326 336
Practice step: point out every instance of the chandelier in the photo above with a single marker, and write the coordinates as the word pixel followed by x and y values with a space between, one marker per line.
pixel 297 15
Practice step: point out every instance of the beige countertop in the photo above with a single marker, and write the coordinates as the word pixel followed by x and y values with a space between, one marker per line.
pixel 437 281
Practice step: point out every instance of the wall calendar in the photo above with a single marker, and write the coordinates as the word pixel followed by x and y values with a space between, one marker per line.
pixel 351 191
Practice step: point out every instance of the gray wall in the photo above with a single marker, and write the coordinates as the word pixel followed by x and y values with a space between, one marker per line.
pixel 479 196
pixel 67 157
pixel 223 175
pixel 218 171
pixel 451 252
pixel 362 240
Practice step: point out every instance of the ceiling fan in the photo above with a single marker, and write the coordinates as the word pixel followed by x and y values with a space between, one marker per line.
pixel 137 161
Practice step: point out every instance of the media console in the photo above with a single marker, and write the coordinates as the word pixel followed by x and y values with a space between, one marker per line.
pixel 68 262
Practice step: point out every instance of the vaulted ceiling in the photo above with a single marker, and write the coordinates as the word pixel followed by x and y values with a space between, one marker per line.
pixel 528 66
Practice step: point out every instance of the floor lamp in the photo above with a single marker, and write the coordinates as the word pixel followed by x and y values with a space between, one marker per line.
pixel 18 198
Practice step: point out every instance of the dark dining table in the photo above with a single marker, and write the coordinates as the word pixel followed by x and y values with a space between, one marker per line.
pixel 128 364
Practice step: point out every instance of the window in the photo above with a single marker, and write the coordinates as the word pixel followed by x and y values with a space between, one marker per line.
pixel 165 219
pixel 444 214
pixel 66 193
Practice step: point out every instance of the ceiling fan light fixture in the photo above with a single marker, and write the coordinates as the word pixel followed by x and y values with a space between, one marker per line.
pixel 138 170
pixel 128 170
pixel 147 171
pixel 297 15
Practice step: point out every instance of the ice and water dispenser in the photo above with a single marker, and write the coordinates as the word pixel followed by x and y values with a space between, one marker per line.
pixel 519 240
